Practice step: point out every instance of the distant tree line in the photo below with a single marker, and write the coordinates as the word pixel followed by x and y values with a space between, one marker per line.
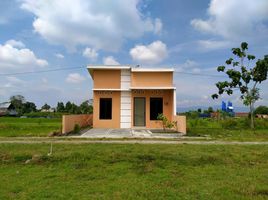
pixel 23 107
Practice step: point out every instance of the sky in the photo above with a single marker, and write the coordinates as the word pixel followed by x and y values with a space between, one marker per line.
pixel 193 37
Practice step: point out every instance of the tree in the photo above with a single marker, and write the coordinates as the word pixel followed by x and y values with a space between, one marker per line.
pixel 17 101
pixel 86 108
pixel 60 107
pixel 263 110
pixel 46 107
pixel 243 77
pixel 68 107
pixel 28 107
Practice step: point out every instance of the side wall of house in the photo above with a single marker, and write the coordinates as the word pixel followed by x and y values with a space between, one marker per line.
pixel 167 96
pixel 105 123
pixel 151 79
pixel 104 79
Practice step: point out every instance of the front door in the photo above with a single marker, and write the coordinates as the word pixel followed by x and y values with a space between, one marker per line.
pixel 139 111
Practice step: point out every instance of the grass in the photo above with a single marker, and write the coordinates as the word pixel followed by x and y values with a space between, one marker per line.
pixel 15 127
pixel 101 171
pixel 229 129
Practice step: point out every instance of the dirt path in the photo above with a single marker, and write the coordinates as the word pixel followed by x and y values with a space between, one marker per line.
pixel 135 141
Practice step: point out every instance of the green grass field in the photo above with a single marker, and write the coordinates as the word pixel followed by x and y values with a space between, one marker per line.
pixel 228 129
pixel 101 171
pixel 16 127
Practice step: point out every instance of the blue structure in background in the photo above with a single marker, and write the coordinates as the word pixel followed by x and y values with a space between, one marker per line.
pixel 223 106
pixel 227 108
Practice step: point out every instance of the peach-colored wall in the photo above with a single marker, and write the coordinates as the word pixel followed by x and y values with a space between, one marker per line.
pixel 104 123
pixel 167 96
pixel 110 79
pixel 181 123
pixel 69 121
pixel 151 79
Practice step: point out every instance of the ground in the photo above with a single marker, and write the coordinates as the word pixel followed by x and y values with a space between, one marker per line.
pixel 133 171
pixel 230 162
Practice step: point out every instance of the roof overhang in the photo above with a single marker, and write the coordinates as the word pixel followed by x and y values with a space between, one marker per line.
pixel 91 68
pixel 137 69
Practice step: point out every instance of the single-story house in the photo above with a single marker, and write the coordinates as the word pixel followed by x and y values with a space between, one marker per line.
pixel 6 108
pixel 132 97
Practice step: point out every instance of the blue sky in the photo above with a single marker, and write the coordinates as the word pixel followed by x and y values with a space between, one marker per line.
pixel 190 36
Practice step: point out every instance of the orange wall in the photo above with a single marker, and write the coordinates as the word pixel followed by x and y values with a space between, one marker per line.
pixel 69 121
pixel 181 123
pixel 151 79
pixel 167 96
pixel 104 123
pixel 107 79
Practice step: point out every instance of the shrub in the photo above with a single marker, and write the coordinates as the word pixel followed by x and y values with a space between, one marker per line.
pixel 76 128
pixel 165 122
pixel 229 124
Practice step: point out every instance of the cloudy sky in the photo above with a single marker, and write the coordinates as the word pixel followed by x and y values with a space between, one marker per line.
pixel 194 37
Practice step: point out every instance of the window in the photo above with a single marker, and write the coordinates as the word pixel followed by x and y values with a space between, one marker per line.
pixel 105 108
pixel 156 107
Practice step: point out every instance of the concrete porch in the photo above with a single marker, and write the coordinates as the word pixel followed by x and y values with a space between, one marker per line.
pixel 128 133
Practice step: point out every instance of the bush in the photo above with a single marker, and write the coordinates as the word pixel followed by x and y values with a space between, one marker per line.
pixel 229 124
pixel 44 115
pixel 76 128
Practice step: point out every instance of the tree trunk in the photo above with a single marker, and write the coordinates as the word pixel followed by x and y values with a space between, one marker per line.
pixel 252 116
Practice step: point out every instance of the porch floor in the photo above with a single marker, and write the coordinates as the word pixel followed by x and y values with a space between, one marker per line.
pixel 127 133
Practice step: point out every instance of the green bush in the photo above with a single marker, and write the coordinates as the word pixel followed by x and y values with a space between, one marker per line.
pixel 76 128
pixel 44 115
pixel 229 124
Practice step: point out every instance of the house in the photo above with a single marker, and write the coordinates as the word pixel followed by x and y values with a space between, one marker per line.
pixel 6 108
pixel 132 97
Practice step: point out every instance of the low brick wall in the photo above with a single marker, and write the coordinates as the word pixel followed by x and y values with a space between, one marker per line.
pixel 181 123
pixel 69 121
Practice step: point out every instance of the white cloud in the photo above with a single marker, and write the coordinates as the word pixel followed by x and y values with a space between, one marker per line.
pixel 235 20
pixel 75 78
pixel 15 43
pixel 100 24
pixel 90 53
pixel 59 55
pixel 151 54
pixel 188 66
pixel 207 45
pixel 12 58
pixel 110 60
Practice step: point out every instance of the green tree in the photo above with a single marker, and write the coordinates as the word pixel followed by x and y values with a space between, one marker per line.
pixel 261 110
pixel 68 107
pixel 86 108
pixel 46 106
pixel 60 107
pixel 28 107
pixel 243 77
pixel 17 101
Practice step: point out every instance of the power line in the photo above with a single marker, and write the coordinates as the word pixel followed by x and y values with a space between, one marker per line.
pixel 74 68
pixel 200 74
pixel 41 71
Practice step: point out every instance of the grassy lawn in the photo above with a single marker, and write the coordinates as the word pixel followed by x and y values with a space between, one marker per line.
pixel 229 129
pixel 101 171
pixel 11 126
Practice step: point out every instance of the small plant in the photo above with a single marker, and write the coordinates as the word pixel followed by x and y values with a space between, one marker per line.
pixel 76 128
pixel 167 124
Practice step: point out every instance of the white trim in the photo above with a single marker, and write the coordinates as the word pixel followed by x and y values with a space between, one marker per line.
pixel 108 67
pixel 125 110
pixel 152 88
pixel 152 69
pixel 174 102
